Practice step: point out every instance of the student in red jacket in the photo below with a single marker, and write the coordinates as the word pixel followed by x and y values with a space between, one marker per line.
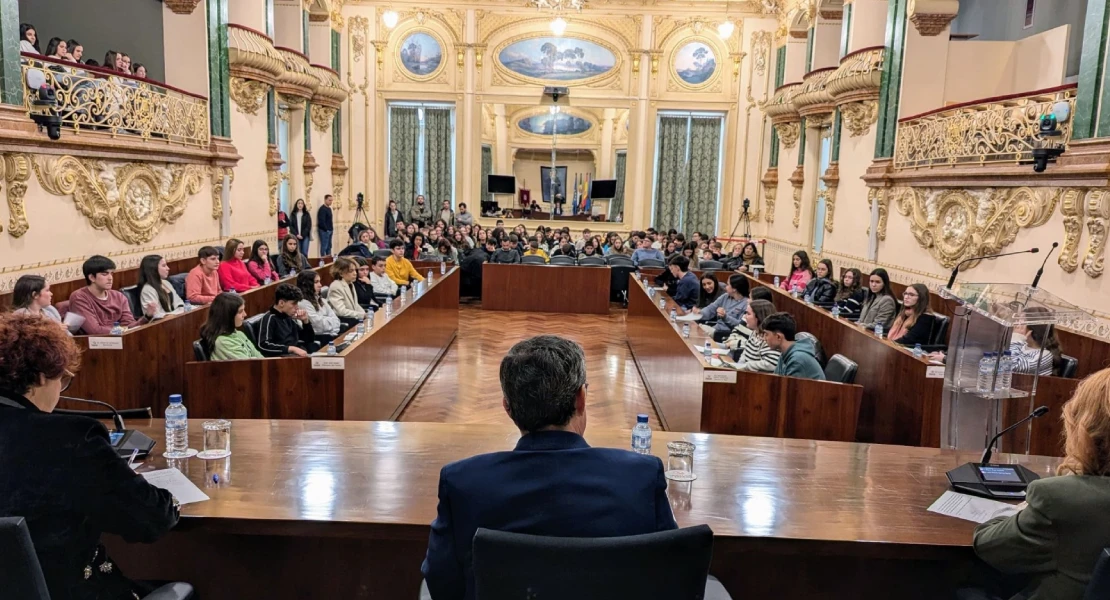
pixel 233 271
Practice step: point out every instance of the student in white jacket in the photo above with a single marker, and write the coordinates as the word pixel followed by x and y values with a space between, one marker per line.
pixel 325 323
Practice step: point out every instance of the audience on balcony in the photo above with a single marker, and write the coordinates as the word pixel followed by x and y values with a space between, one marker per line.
pixel 28 39
pixel 73 51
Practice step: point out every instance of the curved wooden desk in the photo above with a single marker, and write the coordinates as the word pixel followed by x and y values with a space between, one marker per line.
pixel 546 288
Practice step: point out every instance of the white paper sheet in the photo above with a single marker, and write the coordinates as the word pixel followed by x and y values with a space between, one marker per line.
pixel 694 316
pixel 716 350
pixel 177 484
pixel 971 508
pixel 73 322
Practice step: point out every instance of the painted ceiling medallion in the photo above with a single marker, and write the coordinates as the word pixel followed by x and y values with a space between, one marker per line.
pixel 695 63
pixel 562 59
pixel 421 54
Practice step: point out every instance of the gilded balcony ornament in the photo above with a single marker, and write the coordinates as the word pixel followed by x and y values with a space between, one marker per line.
pixel 298 82
pixel 780 108
pixel 322 117
pixel 1071 207
pixel 797 179
pixel 858 117
pixel 251 56
pixel 309 169
pixel 133 201
pixel 854 88
pixel 999 130
pixel 273 176
pixel 955 224
pixel 217 174
pixel 832 181
pixel 770 183
pixel 812 100
pixel 249 95
pixel 788 133
pixel 330 91
pixel 880 199
pixel 338 176
pixel 181 7
pixel 931 17
pixel 15 171
pixel 1098 215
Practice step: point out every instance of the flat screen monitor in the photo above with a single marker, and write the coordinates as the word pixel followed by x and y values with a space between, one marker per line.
pixel 602 189
pixel 502 184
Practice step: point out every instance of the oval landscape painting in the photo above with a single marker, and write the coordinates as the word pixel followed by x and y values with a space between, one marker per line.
pixel 695 63
pixel 558 124
pixel 557 59
pixel 421 54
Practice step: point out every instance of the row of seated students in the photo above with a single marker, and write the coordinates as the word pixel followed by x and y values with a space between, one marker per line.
pixel 73 51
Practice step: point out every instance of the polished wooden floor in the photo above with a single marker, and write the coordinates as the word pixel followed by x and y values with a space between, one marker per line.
pixel 464 388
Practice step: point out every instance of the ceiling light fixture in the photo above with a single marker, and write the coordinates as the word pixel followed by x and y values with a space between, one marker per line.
pixel 558 26
pixel 390 19
pixel 726 29
pixel 559 5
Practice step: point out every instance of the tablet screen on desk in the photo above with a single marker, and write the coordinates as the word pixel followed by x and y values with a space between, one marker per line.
pixel 1000 474
pixel 114 437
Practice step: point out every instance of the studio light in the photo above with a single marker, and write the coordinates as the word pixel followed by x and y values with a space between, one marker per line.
pixel 558 26
pixel 390 18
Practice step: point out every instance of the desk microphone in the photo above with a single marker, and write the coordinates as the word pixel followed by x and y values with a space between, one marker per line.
pixel 1040 271
pixel 124 440
pixel 1003 481
pixel 955 271
pixel 1037 412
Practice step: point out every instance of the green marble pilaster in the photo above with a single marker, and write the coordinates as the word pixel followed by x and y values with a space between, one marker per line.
pixel 307 125
pixel 845 30
pixel 891 85
pixel 304 30
pixel 271 117
pixel 802 143
pixel 836 126
pixel 780 74
pixel 774 162
pixel 270 18
pixel 1091 120
pixel 336 125
pixel 11 73
pixel 809 50
pixel 219 91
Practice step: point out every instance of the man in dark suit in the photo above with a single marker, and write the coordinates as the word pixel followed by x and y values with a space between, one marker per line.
pixel 553 483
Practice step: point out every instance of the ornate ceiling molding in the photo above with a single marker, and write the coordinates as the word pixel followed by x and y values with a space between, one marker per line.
pixel 931 17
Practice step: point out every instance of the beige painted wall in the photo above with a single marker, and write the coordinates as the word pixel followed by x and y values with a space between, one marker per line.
pixel 826 44
pixel 978 70
pixel 868 24
pixel 924 58
pixel 187 62
pixel 795 60
pixel 288 24
pixel 248 13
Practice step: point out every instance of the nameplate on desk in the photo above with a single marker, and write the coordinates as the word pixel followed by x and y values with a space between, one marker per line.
pixel 934 372
pixel 106 343
pixel 718 376
pixel 327 363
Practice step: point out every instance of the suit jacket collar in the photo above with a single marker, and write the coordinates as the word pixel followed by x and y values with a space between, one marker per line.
pixel 13 400
pixel 550 440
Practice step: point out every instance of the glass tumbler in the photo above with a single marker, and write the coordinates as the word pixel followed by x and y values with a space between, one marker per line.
pixel 680 461
pixel 217 439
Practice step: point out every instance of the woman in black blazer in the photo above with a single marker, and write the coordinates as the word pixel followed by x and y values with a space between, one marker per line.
pixel 300 225
pixel 913 325
pixel 392 215
pixel 61 473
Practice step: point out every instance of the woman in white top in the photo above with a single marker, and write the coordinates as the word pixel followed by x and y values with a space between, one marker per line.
pixel 1035 348
pixel 382 284
pixel 28 39
pixel 32 296
pixel 341 292
pixel 325 323
pixel 155 289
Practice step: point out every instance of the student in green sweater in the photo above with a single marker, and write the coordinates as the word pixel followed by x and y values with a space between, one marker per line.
pixel 222 335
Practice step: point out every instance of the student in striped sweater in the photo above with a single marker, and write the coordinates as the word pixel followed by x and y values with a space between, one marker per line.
pixel 749 350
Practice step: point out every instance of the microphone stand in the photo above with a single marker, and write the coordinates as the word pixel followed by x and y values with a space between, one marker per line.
pixel 130 439
pixel 1040 271
pixel 986 459
pixel 956 270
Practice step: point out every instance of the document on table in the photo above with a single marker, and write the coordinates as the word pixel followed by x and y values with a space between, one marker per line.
pixel 971 508
pixel 716 350
pixel 177 484
pixel 694 316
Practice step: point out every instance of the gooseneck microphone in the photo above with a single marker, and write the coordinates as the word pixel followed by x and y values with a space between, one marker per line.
pixel 1040 271
pixel 1040 411
pixel 116 418
pixel 956 270
pixel 124 440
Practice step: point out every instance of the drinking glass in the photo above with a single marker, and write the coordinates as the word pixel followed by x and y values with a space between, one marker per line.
pixel 680 461
pixel 217 473
pixel 217 439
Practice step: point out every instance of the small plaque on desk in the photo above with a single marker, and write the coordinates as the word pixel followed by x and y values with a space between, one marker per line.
pixel 327 363
pixel 934 372
pixel 718 376
pixel 106 343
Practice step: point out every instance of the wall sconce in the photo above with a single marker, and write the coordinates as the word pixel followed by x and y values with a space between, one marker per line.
pixel 726 29
pixel 389 18
pixel 558 26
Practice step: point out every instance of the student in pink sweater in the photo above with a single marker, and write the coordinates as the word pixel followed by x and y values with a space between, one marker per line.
pixel 202 285
pixel 100 305
pixel 258 265
pixel 800 273
pixel 234 276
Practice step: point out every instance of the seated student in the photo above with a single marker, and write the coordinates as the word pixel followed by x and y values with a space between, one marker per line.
pixel 325 323
pixel 913 323
pixel 341 292
pixel 798 358
pixel 748 260
pixel 589 249
pixel 749 350
pixel 234 276
pixel 800 272
pixel 290 261
pixel 879 305
pixel 202 285
pixel 1048 550
pixel 222 334
pixel 31 295
pixel 397 267
pixel 565 250
pixel 259 263
pixel 155 289
pixel 100 305
pixel 553 483
pixel 416 247
pixel 821 289
pixel 710 290
pixel 1035 348
pixel 762 292
pixel 686 284
pixel 727 311
pixel 446 252
pixel 380 283
pixel 285 329
pixel 645 251
pixel 364 288
pixel 535 250
pixel 507 254
pixel 849 296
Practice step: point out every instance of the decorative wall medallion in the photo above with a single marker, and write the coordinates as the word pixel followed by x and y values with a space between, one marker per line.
pixel 695 64
pixel 558 124
pixel 1071 207
pixel 557 59
pixel 420 54
pixel 15 170
pixel 359 29
pixel 248 94
pixel 788 133
pixel 858 117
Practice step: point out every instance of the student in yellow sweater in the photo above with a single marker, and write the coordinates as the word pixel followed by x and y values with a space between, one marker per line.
pixel 397 267
pixel 535 250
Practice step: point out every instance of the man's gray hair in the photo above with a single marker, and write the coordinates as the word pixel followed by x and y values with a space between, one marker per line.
pixel 540 378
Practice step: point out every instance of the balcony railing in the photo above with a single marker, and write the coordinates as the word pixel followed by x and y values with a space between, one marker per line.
pixel 96 99
pixel 858 76
pixel 993 130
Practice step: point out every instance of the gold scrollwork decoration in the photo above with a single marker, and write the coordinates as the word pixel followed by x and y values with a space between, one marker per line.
pixel 218 189
pixel 788 133
pixel 797 179
pixel 1071 207
pixel 248 94
pixel 832 181
pixel 1098 216
pixel 359 28
pixel 858 117
pixel 15 170
pixel 323 117
pixel 133 201
pixel 880 199
pixel 770 183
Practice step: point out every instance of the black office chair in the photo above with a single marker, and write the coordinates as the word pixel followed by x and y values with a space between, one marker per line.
pixel 562 260
pixel 133 298
pixel 22 577
pixel 177 280
pixel 841 369
pixel 619 260
pixel 1068 366
pixel 619 273
pixel 383 253
pixel 651 262
pixel 511 566
pixel 591 261
pixel 939 334
pixel 533 259
pixel 126 413
pixel 251 324
pixel 711 265
pixel 1099 587
pixel 199 351
pixel 820 351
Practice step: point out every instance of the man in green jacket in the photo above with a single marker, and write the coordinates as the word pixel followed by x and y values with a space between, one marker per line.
pixel 799 358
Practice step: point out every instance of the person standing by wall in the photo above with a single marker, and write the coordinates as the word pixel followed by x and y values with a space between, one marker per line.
pixel 324 225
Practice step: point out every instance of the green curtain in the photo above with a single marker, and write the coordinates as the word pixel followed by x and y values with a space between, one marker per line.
pixel 616 205
pixel 438 163
pixel 487 169
pixel 672 177
pixel 700 212
pixel 404 134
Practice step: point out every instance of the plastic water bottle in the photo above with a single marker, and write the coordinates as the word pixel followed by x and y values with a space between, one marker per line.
pixel 1005 372
pixel 292 273
pixel 809 298
pixel 361 328
pixel 917 351
pixel 674 315
pixel 708 350
pixel 879 330
pixel 836 311
pixel 430 273
pixel 388 308
pixel 641 436
pixel 188 306
pixel 986 372
pixel 331 349
pixel 232 290
pixel 368 323
pixel 116 329
pixel 777 281
pixel 686 330
pixel 177 429
pixel 266 281
pixel 662 303
pixel 443 267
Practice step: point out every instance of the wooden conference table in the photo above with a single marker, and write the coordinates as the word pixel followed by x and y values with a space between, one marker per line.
pixel 312 509
pixel 691 394
pixel 372 379
pixel 546 288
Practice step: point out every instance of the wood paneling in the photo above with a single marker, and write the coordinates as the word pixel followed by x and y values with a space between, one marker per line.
pixel 382 370
pixel 756 404
pixel 546 288
pixel 299 502
pixel 1046 434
